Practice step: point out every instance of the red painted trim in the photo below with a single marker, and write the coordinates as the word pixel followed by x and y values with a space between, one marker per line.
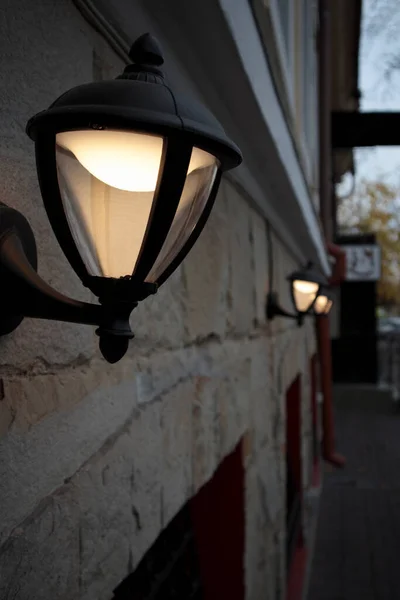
pixel 328 438
pixel 314 407
pixel 316 475
pixel 294 590
pixel 293 431
pixel 298 566
pixel 219 524
pixel 339 270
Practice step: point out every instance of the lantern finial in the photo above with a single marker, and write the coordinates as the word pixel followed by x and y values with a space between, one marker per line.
pixel 147 58
pixel 146 50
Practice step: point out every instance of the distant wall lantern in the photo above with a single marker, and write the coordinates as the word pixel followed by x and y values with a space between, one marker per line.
pixel 305 285
pixel 323 302
pixel 128 172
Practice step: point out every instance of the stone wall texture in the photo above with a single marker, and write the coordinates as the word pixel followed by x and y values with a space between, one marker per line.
pixel 96 459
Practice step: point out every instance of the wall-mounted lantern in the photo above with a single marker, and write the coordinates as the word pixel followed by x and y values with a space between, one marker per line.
pixel 323 302
pixel 128 172
pixel 304 287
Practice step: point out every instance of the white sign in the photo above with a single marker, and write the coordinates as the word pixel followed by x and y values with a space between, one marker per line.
pixel 363 262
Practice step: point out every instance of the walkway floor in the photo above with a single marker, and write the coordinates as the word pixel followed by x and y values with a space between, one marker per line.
pixel 357 551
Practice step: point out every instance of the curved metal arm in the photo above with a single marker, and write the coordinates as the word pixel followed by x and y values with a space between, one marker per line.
pixel 273 309
pixel 25 294
pixel 31 296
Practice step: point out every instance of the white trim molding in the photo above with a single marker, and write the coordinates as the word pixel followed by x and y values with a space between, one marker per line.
pixel 241 21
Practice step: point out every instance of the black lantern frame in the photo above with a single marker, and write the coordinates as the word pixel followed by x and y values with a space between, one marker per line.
pixel 274 309
pixel 309 273
pixel 139 101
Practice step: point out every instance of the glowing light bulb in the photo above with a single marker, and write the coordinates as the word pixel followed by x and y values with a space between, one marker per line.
pixel 305 287
pixel 321 304
pixel 122 159
pixel 108 202
pixel 304 294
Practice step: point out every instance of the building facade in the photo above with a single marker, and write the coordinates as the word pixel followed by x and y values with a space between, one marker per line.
pixel 214 407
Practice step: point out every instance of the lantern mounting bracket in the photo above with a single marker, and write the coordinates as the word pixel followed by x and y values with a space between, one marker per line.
pixel 138 101
pixel 274 309
pixel 26 294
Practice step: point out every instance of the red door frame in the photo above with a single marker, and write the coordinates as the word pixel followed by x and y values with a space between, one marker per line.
pixel 297 566
pixel 293 432
pixel 314 415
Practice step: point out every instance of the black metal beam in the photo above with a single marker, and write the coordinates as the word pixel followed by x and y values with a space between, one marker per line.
pixel 358 129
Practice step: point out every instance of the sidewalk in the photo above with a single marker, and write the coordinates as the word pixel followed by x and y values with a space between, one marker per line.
pixel 357 551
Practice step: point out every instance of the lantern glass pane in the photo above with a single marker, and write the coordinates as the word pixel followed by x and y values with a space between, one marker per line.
pixel 199 182
pixel 304 293
pixel 328 306
pixel 107 181
pixel 321 304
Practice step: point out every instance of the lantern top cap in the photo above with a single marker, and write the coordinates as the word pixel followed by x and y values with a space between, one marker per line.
pixel 309 273
pixel 146 50
pixel 138 100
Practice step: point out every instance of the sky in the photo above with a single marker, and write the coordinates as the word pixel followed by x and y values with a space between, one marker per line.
pixel 377 92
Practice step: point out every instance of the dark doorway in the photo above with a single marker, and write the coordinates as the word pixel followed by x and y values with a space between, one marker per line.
pixel 219 524
pixel 200 554
pixel 354 352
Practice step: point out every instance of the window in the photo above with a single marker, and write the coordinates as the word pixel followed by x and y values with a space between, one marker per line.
pixel 310 115
pixel 288 31
pixel 306 113
pixel 275 20
pixel 284 15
